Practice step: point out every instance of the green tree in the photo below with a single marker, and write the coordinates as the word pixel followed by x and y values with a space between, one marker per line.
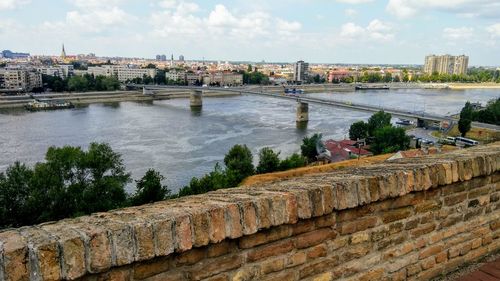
pixel 150 189
pixel 308 147
pixel 268 161
pixel 78 83
pixel 377 121
pixel 466 116
pixel 239 164
pixel 390 139
pixel 358 130
pixel 15 189
pixel 293 161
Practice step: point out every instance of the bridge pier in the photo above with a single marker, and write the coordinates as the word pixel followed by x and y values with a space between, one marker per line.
pixel 196 99
pixel 302 112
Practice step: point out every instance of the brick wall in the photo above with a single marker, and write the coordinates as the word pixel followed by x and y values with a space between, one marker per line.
pixel 411 219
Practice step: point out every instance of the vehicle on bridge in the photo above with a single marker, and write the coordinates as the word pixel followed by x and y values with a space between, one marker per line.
pixel 293 92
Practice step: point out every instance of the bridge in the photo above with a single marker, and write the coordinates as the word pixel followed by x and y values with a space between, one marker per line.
pixel 423 118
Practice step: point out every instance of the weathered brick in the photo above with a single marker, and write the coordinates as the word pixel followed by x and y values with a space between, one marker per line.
pixel 441 257
pixel 211 267
pixel 183 234
pixel 327 220
pixel 234 228
pixel 191 257
pixel 318 267
pixel 374 274
pixel 430 251
pixel 269 250
pixel 317 251
pixel 150 268
pixel 264 237
pixel 295 259
pixel 15 255
pixel 360 237
pixel 455 199
pixel 201 224
pixel 272 265
pixel 396 214
pixel 424 229
pixel 225 247
pixel 314 237
pixel 428 263
pixel 346 196
pixel 359 225
pixel 249 218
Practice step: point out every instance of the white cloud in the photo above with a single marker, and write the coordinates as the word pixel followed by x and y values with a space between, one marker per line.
pixel 350 12
pixel 355 1
pixel 459 33
pixel 494 30
pixel 12 4
pixel 181 18
pixel 462 8
pixel 351 30
pixel 376 30
pixel 92 16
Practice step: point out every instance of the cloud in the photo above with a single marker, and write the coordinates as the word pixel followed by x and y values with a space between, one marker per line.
pixel 350 12
pixel 355 1
pixel 182 18
pixel 494 30
pixel 92 16
pixel 459 33
pixel 463 8
pixel 12 4
pixel 376 30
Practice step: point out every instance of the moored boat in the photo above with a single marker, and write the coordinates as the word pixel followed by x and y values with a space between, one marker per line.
pixel 48 104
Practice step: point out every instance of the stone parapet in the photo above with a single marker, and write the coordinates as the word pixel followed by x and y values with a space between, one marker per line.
pixel 416 218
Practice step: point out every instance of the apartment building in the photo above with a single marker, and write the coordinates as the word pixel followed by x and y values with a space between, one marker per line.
pixel 176 76
pixel 300 71
pixel 122 72
pixel 223 79
pixel 63 71
pixel 446 64
pixel 20 80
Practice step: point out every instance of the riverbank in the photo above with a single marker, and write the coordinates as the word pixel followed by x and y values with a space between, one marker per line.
pixel 465 86
pixel 8 102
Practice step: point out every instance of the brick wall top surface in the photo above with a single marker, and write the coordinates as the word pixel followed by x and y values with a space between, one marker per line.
pixel 72 248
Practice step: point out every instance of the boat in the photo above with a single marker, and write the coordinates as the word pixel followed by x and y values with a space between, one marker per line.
pixel 368 87
pixel 48 104
pixel 405 122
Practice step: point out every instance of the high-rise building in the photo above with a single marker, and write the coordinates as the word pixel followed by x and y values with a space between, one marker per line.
pixel 181 58
pixel 300 71
pixel 446 64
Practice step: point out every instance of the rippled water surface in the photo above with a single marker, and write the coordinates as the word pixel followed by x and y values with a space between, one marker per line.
pixel 168 136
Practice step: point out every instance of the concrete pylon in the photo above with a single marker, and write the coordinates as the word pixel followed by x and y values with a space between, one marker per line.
pixel 196 99
pixel 302 112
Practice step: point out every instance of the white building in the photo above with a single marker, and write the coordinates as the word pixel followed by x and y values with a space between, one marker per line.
pixel 63 71
pixel 300 71
pixel 19 80
pixel 122 72
pixel 223 79
pixel 178 76
pixel 446 64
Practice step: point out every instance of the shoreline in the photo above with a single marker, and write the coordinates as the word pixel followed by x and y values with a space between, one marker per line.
pixel 108 97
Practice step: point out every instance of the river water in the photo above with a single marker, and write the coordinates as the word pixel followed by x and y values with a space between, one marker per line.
pixel 169 137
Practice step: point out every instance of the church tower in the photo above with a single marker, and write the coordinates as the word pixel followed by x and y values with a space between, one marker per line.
pixel 63 53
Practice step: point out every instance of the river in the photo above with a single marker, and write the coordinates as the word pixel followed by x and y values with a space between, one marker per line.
pixel 169 137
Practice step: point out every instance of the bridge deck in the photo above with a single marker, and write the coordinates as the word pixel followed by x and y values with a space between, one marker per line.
pixel 331 102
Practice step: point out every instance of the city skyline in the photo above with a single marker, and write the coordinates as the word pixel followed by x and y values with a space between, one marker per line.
pixel 342 31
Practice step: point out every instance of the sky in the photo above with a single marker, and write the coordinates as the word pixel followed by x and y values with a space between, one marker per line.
pixel 317 31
